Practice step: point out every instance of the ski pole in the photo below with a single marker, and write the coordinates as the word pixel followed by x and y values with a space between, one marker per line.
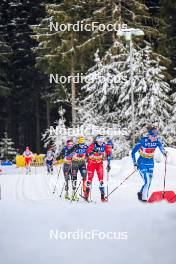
pixel 165 171
pixel 62 190
pixel 107 190
pixel 121 183
pixel 57 179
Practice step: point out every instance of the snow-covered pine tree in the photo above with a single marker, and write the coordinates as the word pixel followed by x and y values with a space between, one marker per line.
pixel 170 130
pixel 151 94
pixel 7 150
pixel 56 136
pixel 102 87
pixel 99 107
pixel 69 52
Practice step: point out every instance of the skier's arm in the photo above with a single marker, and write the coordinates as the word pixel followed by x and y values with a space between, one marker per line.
pixel 163 151
pixel 135 149
pixel 90 149
pixel 108 151
pixel 71 150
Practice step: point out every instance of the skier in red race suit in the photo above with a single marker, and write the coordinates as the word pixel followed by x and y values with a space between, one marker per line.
pixel 96 153
pixel 28 155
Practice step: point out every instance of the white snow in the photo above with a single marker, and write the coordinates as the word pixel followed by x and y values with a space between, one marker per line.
pixel 29 211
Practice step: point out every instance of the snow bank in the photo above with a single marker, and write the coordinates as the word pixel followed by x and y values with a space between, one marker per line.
pixel 29 212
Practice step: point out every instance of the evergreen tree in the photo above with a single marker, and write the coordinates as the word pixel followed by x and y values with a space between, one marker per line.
pixel 5 52
pixel 69 52
pixel 24 102
pixel 167 45
pixel 56 136
pixel 7 150
pixel 170 130
pixel 102 87
pixel 109 102
pixel 151 93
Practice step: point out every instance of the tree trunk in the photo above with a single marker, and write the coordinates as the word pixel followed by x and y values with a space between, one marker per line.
pixel 116 13
pixel 48 121
pixel 73 87
pixel 37 126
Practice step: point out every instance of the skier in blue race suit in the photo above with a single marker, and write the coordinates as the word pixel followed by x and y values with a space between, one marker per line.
pixel 67 166
pixel 79 161
pixel 145 163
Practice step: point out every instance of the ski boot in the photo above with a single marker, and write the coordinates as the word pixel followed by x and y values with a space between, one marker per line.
pixel 87 191
pixel 74 197
pixel 101 187
pixel 67 196
pixel 84 188
pixel 139 194
pixel 103 198
pixel 27 171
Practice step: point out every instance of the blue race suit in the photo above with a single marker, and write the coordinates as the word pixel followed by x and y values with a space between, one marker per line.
pixel 67 168
pixel 145 162
pixel 79 163
pixel 49 158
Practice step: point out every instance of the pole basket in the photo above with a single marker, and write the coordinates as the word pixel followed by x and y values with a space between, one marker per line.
pixel 159 196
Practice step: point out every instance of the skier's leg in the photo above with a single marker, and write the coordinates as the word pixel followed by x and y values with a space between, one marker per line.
pixel 30 161
pixel 100 173
pixel 74 173
pixel 147 177
pixel 150 173
pixel 83 172
pixel 51 166
pixel 27 164
pixel 91 166
pixel 66 169
pixel 48 166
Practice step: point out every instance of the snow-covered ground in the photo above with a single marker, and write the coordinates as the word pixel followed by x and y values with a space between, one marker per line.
pixel 31 217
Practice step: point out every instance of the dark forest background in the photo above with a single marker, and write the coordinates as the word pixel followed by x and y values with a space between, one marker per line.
pixel 26 109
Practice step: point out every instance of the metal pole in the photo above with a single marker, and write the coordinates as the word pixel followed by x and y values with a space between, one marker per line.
pixel 132 93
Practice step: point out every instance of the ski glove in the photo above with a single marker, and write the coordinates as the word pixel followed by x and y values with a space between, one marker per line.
pixel 136 167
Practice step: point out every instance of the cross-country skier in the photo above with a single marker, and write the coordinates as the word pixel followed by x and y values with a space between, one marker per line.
pixel 97 152
pixel 49 159
pixel 79 161
pixel 67 168
pixel 28 155
pixel 145 163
